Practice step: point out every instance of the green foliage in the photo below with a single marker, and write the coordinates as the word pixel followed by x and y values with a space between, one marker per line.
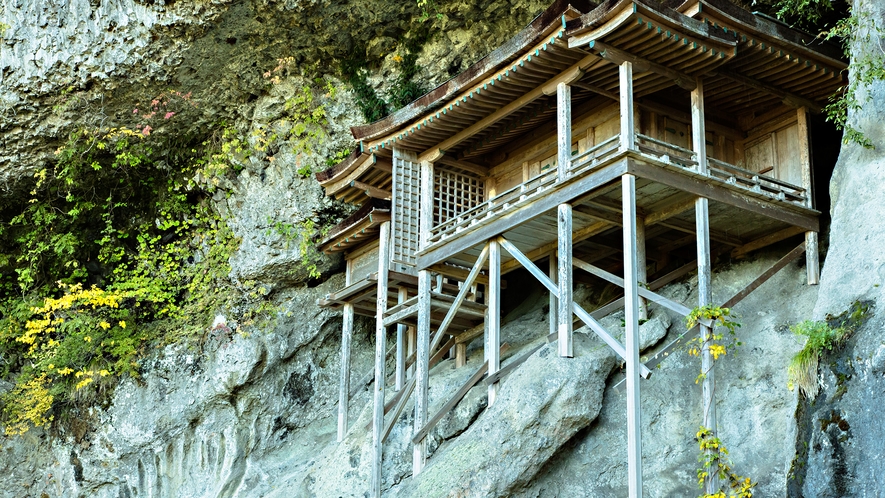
pixel 714 342
pixel 356 74
pixel 405 88
pixel 305 233
pixel 714 461
pixel 713 454
pixel 116 249
pixel 821 336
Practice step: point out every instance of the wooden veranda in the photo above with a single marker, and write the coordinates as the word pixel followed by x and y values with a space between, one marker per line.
pixel 619 140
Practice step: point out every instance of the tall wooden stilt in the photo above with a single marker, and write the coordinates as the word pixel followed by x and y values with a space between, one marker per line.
pixel 552 272
pixel 705 294
pixel 631 292
pixel 380 351
pixel 422 338
pixel 493 316
pixel 400 375
pixel 631 320
pixel 564 217
pixel 422 359
pixel 564 312
pixel 625 76
pixel 641 265
pixel 812 257
pixel 563 130
pixel 344 393
pixel 412 336
pixel 346 338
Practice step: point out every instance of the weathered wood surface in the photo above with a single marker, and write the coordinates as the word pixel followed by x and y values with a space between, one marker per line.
pixel 456 398
pixel 493 316
pixel 619 57
pixel 576 308
pixel 380 363
pixel 631 321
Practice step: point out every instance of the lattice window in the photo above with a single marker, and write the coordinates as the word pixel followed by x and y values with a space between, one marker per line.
pixel 406 205
pixel 455 192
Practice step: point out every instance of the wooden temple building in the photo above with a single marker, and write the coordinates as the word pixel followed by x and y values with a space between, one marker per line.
pixel 669 128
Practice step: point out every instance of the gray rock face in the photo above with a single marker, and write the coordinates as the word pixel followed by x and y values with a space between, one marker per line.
pixel 843 425
pixel 540 407
pixel 754 407
pixel 840 449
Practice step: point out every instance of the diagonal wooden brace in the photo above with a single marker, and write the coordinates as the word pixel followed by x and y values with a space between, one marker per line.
pixel 578 310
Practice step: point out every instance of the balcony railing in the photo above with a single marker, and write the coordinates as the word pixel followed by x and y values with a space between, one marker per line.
pixel 585 162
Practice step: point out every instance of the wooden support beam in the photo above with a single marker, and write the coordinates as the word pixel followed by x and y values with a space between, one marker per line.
pixel 465 289
pixel 435 152
pixel 576 308
pixel 563 130
pixel 400 371
pixel 812 255
pixel 552 272
pixel 641 291
pixel 688 335
pixel 565 282
pixel 705 295
pixel 710 190
pixel 455 399
pixel 627 130
pixel 373 192
pixel 618 304
pixel 640 64
pixel 596 89
pixel 493 316
pixel 460 354
pixel 631 319
pixel 425 216
pixel 380 353
pixel 516 362
pixel 641 265
pixel 550 248
pixel 404 394
pixel 422 370
pixel 344 385
pixel 788 98
pixel 739 252
pixel 670 210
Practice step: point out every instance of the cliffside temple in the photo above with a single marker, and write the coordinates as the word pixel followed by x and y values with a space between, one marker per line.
pixel 614 140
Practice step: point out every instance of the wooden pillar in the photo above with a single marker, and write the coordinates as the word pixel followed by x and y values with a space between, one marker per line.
pixel 641 264
pixel 705 294
pixel 412 337
pixel 625 73
pixel 552 272
pixel 380 353
pixel 346 337
pixel 563 130
pixel 493 316
pixel 564 217
pixel 631 321
pixel 400 375
pixel 564 257
pixel 422 338
pixel 422 370
pixel 812 255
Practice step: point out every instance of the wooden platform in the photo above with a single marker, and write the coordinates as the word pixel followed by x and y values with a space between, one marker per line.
pixel 739 215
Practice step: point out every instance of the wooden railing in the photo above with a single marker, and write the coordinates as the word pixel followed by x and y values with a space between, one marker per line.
pixel 756 182
pixel 598 155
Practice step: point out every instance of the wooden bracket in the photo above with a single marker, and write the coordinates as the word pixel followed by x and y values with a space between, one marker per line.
pixel 641 65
